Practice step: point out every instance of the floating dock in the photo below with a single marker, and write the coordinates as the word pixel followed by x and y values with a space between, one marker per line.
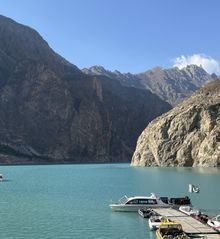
pixel 190 225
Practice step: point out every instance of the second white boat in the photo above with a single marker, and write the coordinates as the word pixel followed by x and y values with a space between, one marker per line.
pixel 129 204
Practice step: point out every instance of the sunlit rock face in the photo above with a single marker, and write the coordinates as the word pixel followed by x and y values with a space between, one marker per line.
pixel 188 135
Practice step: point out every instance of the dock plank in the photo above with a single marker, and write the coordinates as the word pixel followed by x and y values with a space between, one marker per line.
pixel 190 225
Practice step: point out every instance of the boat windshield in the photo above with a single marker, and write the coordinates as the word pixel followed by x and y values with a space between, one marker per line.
pixel 173 227
pixel 123 200
pixel 217 218
pixel 187 208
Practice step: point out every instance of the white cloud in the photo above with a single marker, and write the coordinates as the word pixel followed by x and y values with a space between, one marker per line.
pixel 207 62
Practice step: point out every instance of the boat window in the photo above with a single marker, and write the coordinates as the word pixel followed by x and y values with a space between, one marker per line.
pixel 152 201
pixel 134 201
pixel 143 201
pixel 147 201
pixel 164 199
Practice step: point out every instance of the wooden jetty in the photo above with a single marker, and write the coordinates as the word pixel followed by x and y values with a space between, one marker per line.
pixel 190 225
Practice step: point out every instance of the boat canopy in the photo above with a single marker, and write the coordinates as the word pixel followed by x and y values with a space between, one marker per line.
pixel 180 201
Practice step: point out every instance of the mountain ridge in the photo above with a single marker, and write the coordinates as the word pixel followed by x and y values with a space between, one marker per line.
pixel 172 85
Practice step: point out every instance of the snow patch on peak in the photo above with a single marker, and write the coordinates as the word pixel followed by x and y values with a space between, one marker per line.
pixel 208 63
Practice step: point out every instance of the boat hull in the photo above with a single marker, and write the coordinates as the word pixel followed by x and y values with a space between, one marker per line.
pixel 134 208
pixel 158 236
pixel 189 211
pixel 153 225
pixel 213 224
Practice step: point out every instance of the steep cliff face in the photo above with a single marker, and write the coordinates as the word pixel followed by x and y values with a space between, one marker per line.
pixel 172 85
pixel 188 135
pixel 51 112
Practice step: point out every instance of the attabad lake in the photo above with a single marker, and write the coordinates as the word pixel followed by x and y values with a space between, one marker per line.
pixel 101 99
pixel 72 201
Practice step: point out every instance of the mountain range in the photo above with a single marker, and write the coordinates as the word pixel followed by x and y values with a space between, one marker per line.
pixel 52 112
pixel 171 85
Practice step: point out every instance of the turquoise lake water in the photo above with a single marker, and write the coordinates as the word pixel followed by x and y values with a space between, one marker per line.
pixel 71 201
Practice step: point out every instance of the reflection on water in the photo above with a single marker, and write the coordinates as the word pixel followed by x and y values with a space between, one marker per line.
pixel 201 170
pixel 6 181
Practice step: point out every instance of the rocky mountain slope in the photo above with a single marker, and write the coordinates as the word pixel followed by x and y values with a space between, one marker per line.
pixel 51 112
pixel 172 85
pixel 188 135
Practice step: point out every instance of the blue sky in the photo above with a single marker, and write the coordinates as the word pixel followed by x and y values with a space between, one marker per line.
pixel 127 35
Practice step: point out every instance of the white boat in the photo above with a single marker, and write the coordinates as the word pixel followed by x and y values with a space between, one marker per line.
pixel 143 202
pixel 155 222
pixel 197 214
pixel 189 211
pixel 214 222
pixel 147 213
pixel 135 203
